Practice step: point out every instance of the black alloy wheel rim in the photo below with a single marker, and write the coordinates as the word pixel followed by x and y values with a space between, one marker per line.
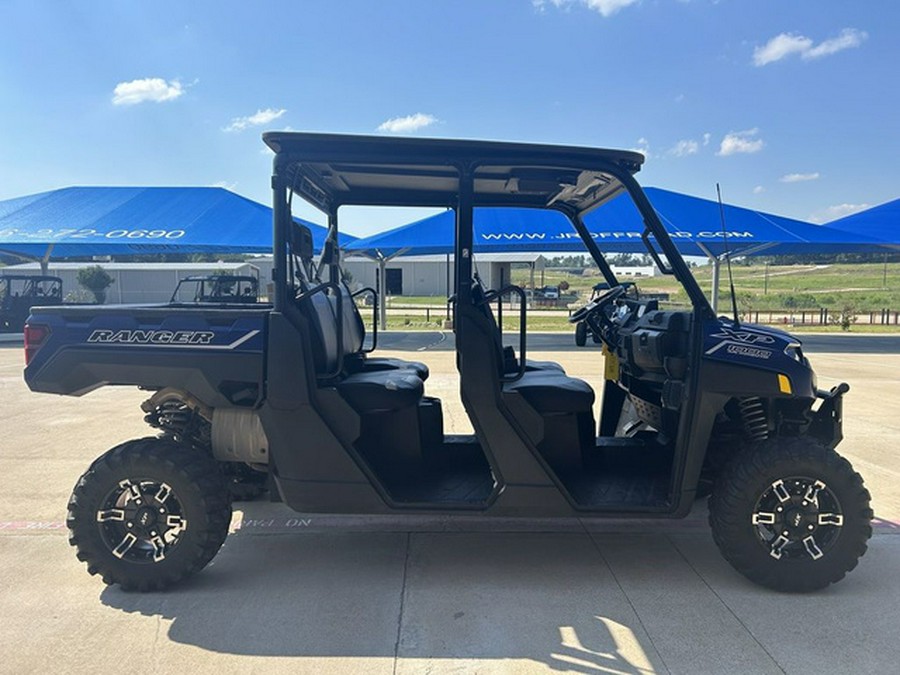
pixel 141 521
pixel 797 518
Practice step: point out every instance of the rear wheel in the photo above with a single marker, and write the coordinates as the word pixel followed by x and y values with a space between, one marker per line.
pixel 790 514
pixel 581 334
pixel 148 514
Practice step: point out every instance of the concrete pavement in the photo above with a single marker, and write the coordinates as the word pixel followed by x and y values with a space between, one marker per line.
pixel 321 594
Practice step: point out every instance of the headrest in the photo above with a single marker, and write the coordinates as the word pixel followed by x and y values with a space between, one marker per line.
pixel 301 241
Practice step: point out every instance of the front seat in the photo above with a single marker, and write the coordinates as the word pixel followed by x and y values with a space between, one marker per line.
pixel 507 355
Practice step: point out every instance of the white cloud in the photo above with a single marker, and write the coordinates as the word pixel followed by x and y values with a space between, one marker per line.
pixel 153 89
pixel 684 148
pixel 780 46
pixel 737 142
pixel 408 124
pixel 758 190
pixel 799 177
pixel 848 39
pixel 608 7
pixel 224 184
pixel 605 8
pixel 643 147
pixel 706 138
pixel 256 119
pixel 836 211
pixel 785 44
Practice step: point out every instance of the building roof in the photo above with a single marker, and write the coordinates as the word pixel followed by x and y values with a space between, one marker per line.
pixel 143 266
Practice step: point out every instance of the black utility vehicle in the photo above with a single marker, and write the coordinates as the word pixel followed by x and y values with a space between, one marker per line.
pixel 19 292
pixel 290 390
pixel 217 289
pixel 583 329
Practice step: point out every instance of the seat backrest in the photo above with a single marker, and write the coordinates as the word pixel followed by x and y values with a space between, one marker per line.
pixel 484 308
pixel 319 311
pixel 354 328
pixel 318 308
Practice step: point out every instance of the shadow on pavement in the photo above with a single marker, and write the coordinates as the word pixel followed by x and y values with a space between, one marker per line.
pixel 549 598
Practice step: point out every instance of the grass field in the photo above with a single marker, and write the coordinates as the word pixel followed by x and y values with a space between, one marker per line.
pixel 864 287
pixel 792 289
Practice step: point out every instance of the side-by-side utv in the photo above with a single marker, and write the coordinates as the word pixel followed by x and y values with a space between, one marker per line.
pixel 19 292
pixel 288 390
pixel 219 289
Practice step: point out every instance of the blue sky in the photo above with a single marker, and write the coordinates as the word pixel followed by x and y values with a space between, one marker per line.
pixel 792 105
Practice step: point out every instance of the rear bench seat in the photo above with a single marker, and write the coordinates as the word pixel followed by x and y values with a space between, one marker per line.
pixel 355 359
pixel 367 391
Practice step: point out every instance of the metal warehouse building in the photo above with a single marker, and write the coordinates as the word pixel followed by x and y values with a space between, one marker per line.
pixel 136 282
pixel 432 275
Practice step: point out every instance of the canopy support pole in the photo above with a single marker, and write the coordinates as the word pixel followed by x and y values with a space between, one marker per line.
pixel 382 292
pixel 716 263
pixel 531 301
pixel 448 287
pixel 45 260
pixel 382 284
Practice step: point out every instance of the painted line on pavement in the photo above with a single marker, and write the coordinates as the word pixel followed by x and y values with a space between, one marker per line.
pixel 281 525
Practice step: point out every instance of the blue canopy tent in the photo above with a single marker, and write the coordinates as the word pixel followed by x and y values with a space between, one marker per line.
pixel 86 221
pixel 881 222
pixel 695 225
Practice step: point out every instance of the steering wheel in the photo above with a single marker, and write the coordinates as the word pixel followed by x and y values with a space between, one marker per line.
pixel 603 300
pixel 597 316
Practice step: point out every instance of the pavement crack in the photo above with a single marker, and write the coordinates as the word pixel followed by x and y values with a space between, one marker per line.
pixel 724 604
pixel 402 601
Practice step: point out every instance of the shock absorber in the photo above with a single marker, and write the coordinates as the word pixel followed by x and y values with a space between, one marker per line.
pixel 753 415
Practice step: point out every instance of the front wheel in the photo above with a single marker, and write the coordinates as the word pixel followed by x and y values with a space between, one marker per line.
pixel 148 514
pixel 790 514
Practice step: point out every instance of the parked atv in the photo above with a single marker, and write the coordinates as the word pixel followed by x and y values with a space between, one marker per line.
pixel 19 292
pixel 289 390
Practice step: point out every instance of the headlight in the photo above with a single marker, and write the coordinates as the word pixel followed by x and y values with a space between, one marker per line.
pixel 793 351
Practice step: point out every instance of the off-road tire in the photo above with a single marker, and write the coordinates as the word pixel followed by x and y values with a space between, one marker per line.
pixel 580 334
pixel 198 497
pixel 750 475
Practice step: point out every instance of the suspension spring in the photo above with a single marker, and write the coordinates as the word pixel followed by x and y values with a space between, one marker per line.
pixel 753 415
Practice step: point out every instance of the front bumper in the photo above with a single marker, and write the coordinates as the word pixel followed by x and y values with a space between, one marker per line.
pixel 827 420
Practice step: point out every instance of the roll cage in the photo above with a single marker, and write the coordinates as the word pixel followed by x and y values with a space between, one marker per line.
pixel 333 170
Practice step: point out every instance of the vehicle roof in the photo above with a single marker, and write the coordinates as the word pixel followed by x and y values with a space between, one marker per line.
pixel 36 277
pixel 218 277
pixel 330 170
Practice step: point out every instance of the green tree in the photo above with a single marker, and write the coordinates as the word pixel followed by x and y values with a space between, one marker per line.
pixel 96 280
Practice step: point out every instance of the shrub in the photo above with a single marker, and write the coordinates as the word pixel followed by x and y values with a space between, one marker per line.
pixel 96 280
